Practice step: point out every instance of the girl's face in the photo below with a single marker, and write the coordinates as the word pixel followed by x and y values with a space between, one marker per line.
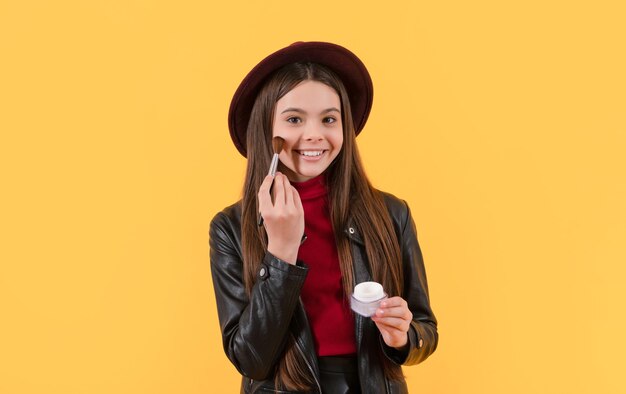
pixel 308 117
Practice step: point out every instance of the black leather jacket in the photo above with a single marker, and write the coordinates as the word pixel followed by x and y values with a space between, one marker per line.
pixel 253 328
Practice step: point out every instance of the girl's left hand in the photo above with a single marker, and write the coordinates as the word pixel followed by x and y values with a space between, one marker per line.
pixel 393 319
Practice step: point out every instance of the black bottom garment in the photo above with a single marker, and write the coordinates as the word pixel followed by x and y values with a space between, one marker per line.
pixel 339 375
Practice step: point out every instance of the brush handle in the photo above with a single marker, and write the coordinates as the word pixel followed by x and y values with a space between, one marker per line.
pixel 272 172
pixel 273 166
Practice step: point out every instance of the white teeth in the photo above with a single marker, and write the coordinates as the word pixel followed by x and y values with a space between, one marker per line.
pixel 311 152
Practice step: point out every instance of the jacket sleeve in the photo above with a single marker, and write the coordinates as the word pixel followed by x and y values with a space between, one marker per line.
pixel 253 328
pixel 423 335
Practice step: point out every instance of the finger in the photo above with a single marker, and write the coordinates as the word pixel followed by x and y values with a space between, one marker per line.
pixel 279 189
pixel 265 185
pixel 394 311
pixel 392 302
pixel 393 322
pixel 265 201
pixel 288 193
pixel 296 200
pixel 381 327
pixel 392 337
pixel 384 331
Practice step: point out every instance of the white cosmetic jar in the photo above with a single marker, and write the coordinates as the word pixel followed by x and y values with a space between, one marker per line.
pixel 366 298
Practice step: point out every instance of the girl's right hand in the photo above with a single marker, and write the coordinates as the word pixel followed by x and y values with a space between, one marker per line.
pixel 283 219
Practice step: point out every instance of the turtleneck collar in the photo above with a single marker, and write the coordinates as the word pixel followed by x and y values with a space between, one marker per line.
pixel 313 188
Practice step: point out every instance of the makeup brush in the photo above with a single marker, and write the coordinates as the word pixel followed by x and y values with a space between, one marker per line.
pixel 277 146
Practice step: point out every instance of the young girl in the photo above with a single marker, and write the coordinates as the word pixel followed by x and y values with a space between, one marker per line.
pixel 283 296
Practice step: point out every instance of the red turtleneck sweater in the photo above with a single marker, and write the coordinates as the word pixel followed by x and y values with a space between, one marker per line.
pixel 330 317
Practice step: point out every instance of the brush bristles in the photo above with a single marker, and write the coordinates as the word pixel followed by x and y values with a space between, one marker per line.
pixel 277 144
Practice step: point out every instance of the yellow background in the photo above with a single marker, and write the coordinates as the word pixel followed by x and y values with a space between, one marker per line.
pixel 502 123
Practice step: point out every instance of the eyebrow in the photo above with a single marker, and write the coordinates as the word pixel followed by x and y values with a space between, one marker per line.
pixel 304 112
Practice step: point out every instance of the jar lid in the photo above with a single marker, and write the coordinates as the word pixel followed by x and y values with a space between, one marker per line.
pixel 368 291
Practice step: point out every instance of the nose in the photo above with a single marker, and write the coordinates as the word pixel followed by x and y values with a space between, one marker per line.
pixel 313 132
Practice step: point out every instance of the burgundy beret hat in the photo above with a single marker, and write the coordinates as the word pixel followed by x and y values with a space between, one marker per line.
pixel 344 63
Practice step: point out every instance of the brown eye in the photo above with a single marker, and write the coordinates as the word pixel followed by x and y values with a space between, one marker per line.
pixel 329 119
pixel 294 120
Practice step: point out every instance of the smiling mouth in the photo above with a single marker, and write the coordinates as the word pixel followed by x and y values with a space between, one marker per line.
pixel 311 153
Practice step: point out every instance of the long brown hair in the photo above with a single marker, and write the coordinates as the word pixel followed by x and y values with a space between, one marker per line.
pixel 351 196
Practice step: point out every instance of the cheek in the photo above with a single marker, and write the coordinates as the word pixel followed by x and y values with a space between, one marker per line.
pixel 289 140
pixel 289 143
pixel 278 129
pixel 287 152
pixel 337 141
